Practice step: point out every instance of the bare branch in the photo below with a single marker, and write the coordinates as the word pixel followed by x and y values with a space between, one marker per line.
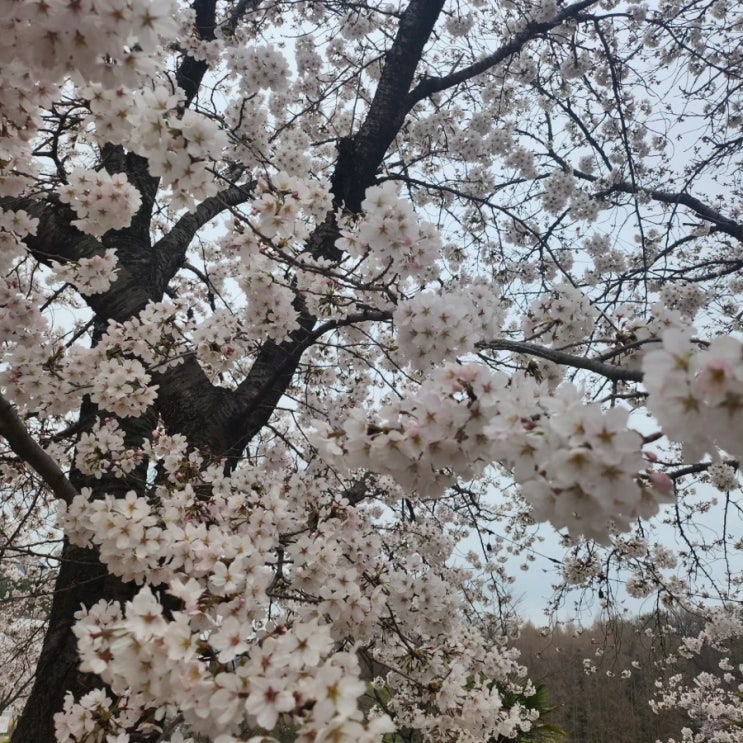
pixel 721 222
pixel 616 373
pixel 22 443
pixel 171 249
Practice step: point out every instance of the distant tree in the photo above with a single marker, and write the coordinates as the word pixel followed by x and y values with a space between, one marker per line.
pixel 636 680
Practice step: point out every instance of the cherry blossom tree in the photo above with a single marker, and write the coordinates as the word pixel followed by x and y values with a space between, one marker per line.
pixel 298 295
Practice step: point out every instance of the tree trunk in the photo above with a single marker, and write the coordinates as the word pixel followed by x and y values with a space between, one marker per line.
pixel 82 581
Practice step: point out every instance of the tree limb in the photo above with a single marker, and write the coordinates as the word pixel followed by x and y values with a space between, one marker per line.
pixel 431 85
pixel 616 373
pixel 170 250
pixel 360 156
pixel 675 198
pixel 191 71
pixel 22 443
pixel 721 222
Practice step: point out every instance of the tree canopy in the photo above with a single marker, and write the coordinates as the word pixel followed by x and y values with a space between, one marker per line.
pixel 315 315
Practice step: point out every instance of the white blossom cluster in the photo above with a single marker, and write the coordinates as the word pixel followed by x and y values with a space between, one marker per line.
pixel 723 476
pixel 435 326
pixel 637 334
pixel 686 297
pixel 35 374
pixel 50 379
pixel 178 145
pixel 22 325
pixel 711 700
pixel 580 569
pixel 558 190
pixel 606 259
pixel 390 235
pixel 271 310
pixel 102 450
pixel 99 41
pixel 149 336
pixel 563 317
pixel 575 66
pixel 222 664
pixel 283 214
pixel 122 387
pixel 286 208
pixel 468 705
pixel 222 338
pixel 14 226
pixel 562 192
pixel 697 394
pixel 647 565
pixel 89 275
pixel 577 465
pixel 101 201
pixel 50 376
pixel 259 67
pixel 289 670
pixel 92 37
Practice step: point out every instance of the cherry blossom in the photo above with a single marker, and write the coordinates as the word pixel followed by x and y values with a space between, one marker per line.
pixel 316 317
pixel 695 393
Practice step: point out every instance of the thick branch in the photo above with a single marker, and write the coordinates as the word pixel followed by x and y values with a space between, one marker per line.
pixel 431 85
pixel 224 421
pixel 23 444
pixel 361 155
pixel 616 373
pixel 144 271
pixel 721 222
pixel 273 370
pixel 675 198
pixel 242 414
pixel 191 71
pixel 170 250
pixel 55 239
pixel 238 416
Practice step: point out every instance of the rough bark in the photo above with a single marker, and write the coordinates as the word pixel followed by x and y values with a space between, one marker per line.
pixel 82 581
